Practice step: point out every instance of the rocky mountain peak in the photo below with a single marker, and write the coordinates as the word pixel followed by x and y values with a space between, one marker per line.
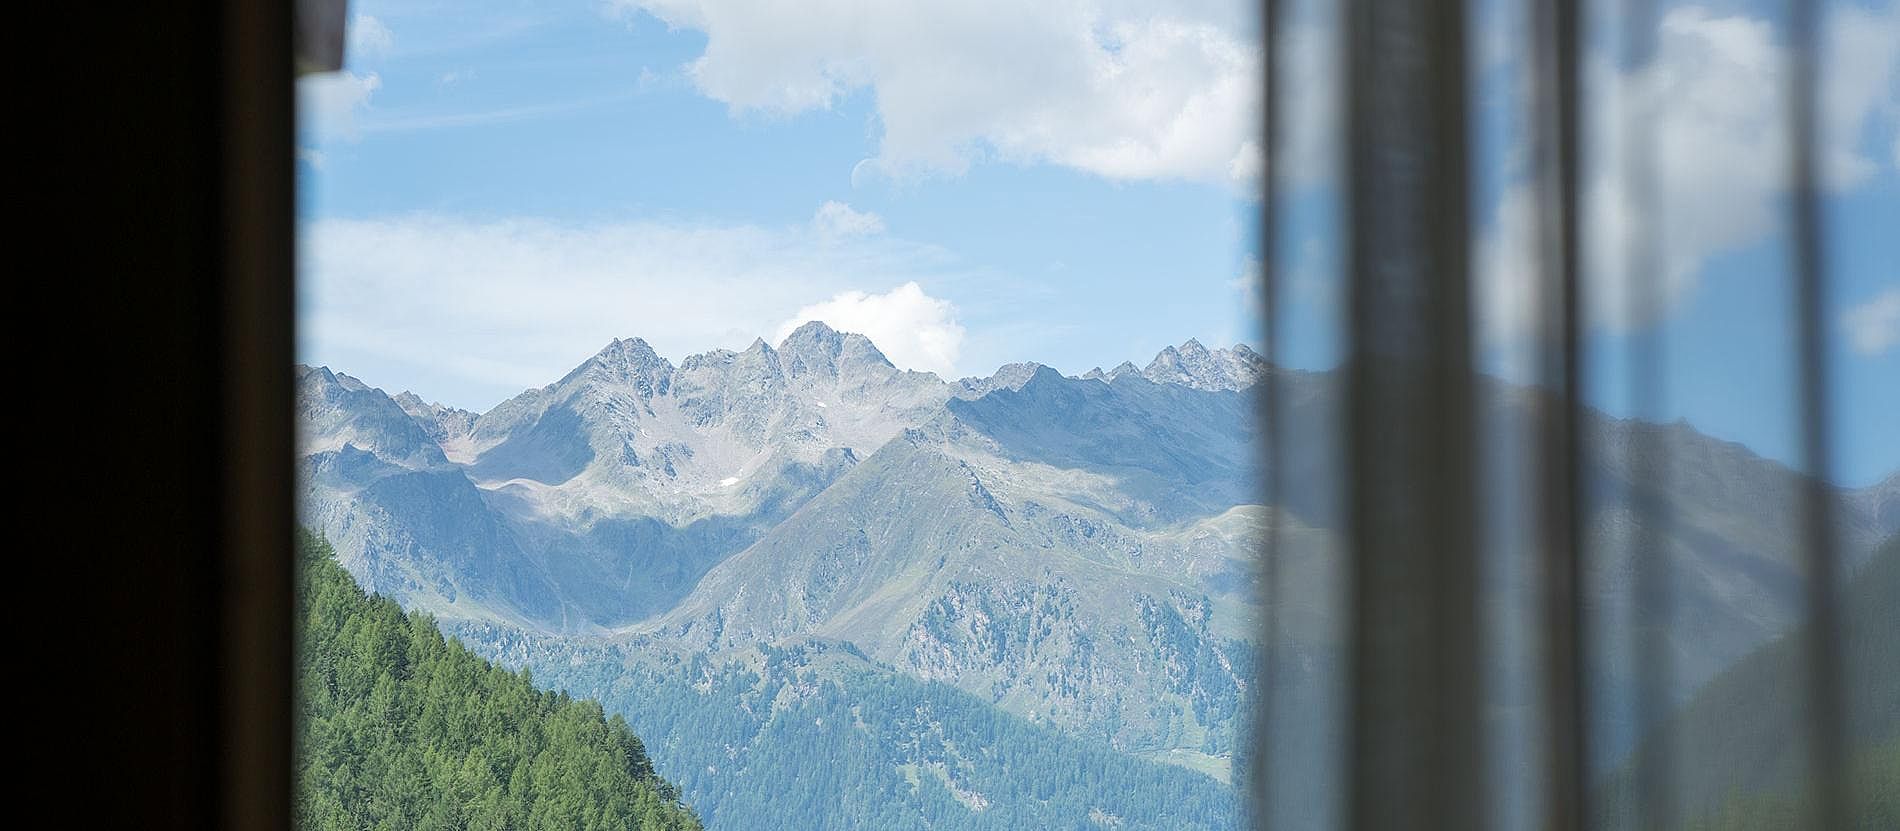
pixel 630 362
pixel 1039 374
pixel 337 412
pixel 631 352
pixel 442 422
pixel 346 381
pixel 1193 365
pixel 858 349
pixel 1123 368
pixel 1008 376
pixel 816 349
pixel 713 358
pixel 757 361
pixel 814 332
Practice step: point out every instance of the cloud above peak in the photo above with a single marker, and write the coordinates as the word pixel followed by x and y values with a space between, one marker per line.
pixel 1125 91
pixel 911 328
pixel 473 311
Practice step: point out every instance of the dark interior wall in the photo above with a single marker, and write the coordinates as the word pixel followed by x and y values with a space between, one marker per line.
pixel 153 350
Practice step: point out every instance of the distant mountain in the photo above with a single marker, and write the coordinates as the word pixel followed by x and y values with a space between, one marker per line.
pixel 445 425
pixel 335 410
pixel 627 433
pixel 1195 366
pixel 1006 377
pixel 1123 368
pixel 406 521
pixel 1060 549
pixel 619 485
pixel 1076 552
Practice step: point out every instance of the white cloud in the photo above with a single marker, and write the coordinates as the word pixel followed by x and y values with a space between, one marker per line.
pixel 913 329
pixel 441 120
pixel 328 103
pixel 481 309
pixel 836 219
pixel 1123 90
pixel 1246 165
pixel 1873 327
pixel 1249 284
pixel 368 38
pixel 1714 97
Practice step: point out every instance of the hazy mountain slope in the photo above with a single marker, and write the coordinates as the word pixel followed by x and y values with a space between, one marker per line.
pixel 1881 505
pixel 1076 551
pixel 334 410
pixel 405 521
pixel 446 426
pixel 812 736
pixel 1745 732
pixel 630 477
pixel 1733 533
pixel 1172 452
pixel 608 493
pixel 1060 549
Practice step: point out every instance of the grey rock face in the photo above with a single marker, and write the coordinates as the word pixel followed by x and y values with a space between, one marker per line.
pixel 335 410
pixel 444 424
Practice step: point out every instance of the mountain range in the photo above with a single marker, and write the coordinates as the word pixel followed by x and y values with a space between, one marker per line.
pixel 1068 554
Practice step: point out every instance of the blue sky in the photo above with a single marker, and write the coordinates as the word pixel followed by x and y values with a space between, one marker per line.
pixel 492 191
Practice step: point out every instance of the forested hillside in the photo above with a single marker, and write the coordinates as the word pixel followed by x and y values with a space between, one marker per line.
pixel 402 729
